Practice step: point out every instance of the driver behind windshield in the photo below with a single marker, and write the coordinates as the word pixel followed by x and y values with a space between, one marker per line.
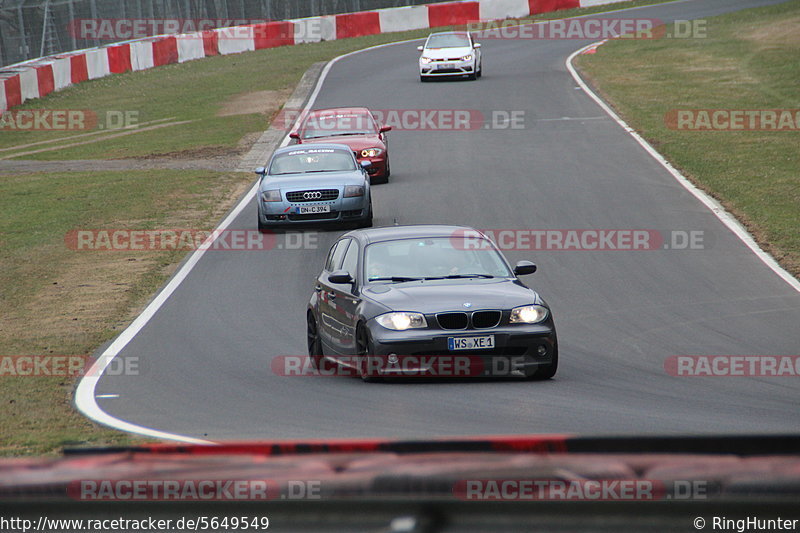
pixel 312 161
pixel 430 258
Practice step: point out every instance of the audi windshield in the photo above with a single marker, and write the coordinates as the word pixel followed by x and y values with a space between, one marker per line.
pixel 312 160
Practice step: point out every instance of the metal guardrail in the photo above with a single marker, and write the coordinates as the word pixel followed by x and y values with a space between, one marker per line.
pixel 36 28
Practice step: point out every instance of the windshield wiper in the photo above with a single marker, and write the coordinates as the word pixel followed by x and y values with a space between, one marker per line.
pixel 458 276
pixel 396 279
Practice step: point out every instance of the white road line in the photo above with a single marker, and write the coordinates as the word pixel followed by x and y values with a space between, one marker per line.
pixel 715 207
pixel 562 119
pixel 107 396
pixel 85 398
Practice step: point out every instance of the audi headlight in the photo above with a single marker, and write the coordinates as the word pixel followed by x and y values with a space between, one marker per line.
pixel 425 60
pixel 353 190
pixel 272 195
pixel 371 152
pixel 401 321
pixel 466 57
pixel 528 314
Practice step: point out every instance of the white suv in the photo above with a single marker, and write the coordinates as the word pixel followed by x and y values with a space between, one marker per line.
pixel 450 53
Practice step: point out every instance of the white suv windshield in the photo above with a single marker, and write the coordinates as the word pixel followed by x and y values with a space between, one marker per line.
pixel 447 40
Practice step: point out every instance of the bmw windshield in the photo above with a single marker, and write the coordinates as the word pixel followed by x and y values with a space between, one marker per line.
pixel 433 258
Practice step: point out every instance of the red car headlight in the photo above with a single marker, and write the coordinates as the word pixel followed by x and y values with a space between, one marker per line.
pixel 371 152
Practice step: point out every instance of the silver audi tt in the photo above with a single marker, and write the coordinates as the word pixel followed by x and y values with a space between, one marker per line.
pixel 312 184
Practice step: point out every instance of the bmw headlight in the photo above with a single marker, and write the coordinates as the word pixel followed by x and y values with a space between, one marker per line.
pixel 401 321
pixel 425 60
pixel 272 195
pixel 466 57
pixel 528 314
pixel 351 191
pixel 371 152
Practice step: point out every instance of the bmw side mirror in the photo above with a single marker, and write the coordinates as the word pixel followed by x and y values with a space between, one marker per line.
pixel 261 171
pixel 476 45
pixel 366 164
pixel 524 268
pixel 420 48
pixel 294 135
pixel 340 277
pixel 384 129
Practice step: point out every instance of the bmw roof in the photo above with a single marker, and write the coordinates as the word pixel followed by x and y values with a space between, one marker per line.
pixel 390 233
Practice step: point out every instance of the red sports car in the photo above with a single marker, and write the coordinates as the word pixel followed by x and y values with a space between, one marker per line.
pixel 355 127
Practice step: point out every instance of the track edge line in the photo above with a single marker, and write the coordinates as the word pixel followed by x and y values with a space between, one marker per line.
pixel 727 219
pixel 84 397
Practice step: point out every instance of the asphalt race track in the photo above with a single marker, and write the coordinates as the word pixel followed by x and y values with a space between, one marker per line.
pixel 205 356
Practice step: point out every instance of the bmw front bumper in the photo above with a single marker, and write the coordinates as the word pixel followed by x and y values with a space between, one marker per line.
pixel 518 350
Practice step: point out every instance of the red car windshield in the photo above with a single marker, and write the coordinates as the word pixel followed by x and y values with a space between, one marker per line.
pixel 335 124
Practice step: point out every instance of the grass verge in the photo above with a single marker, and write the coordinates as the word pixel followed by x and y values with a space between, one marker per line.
pixel 59 301
pixel 748 60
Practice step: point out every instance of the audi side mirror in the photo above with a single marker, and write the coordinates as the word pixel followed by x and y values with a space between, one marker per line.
pixel 366 164
pixel 420 48
pixel 261 171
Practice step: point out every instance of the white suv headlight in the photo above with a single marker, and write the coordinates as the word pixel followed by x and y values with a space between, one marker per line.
pixel 528 314
pixel 401 321
pixel 466 57
pixel 425 60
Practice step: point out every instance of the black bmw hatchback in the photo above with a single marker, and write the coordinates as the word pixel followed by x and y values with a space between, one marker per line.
pixel 429 300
